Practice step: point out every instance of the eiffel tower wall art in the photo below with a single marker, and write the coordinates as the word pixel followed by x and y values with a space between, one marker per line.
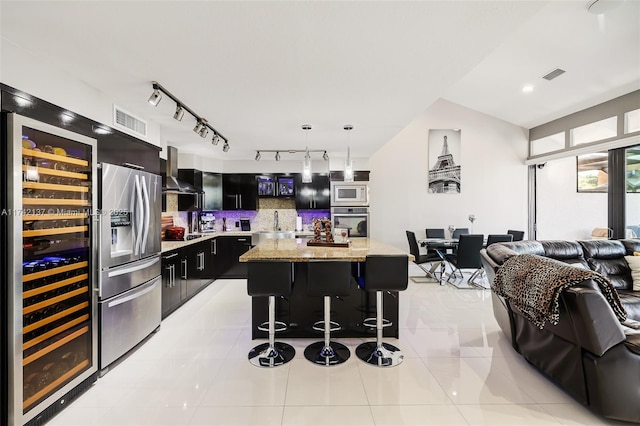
pixel 444 161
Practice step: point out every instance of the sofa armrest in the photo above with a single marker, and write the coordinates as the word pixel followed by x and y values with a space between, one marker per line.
pixel 595 323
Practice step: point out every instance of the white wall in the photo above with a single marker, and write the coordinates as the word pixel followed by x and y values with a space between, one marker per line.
pixel 494 177
pixel 45 80
pixel 562 212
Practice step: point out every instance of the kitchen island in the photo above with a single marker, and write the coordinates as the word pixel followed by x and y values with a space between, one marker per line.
pixel 300 311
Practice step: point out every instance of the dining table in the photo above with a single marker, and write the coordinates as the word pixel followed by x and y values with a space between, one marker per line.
pixel 442 246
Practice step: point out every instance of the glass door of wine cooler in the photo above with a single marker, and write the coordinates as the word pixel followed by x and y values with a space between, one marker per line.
pixel 52 282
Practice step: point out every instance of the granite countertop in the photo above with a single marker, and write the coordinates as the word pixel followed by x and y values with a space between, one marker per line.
pixel 174 245
pixel 297 250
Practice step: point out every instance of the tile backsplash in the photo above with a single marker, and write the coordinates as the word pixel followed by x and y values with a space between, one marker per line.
pixel 261 219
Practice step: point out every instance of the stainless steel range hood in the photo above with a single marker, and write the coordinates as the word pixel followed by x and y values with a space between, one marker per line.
pixel 173 184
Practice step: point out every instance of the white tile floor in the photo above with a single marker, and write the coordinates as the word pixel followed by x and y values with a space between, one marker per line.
pixel 459 369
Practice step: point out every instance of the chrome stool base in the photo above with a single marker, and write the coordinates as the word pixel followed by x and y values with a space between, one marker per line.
pixel 385 355
pixel 333 354
pixel 266 356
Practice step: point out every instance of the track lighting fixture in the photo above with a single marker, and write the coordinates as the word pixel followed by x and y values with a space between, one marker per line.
pixel 155 97
pixel 179 113
pixel 202 127
pixel 204 131
pixel 279 152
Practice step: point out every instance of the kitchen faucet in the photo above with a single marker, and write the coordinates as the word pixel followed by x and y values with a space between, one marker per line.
pixel 276 226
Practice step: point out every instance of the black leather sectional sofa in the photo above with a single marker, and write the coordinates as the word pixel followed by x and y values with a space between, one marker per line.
pixel 589 353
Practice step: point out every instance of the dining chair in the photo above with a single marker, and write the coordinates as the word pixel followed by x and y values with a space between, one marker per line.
pixel 467 256
pixel 517 235
pixel 459 231
pixel 421 259
pixel 499 238
pixel 435 233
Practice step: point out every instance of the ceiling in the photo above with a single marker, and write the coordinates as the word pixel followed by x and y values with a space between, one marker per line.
pixel 259 70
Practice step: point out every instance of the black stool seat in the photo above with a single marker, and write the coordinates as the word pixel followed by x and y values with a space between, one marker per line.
pixel 328 279
pixel 383 273
pixel 270 279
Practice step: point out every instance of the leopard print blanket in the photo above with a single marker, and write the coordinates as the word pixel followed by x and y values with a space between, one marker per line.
pixel 534 283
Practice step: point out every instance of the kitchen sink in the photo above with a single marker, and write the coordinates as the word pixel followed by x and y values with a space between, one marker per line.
pixel 260 236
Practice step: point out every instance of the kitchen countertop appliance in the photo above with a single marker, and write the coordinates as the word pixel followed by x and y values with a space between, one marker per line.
pixel 129 297
pixel 207 222
pixel 174 233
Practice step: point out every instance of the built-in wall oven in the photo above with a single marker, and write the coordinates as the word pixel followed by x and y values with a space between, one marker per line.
pixel 354 219
pixel 349 194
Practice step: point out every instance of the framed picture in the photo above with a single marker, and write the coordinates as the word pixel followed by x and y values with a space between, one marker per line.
pixel 593 172
pixel 444 157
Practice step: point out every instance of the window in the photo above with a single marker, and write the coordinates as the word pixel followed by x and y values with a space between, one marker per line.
pixel 632 182
pixel 632 121
pixel 547 144
pixel 603 129
pixel 593 172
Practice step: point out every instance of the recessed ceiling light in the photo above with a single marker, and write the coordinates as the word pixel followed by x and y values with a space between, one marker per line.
pixel 527 88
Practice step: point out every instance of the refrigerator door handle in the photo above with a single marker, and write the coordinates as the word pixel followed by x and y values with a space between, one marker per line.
pixel 131 269
pixel 146 214
pixel 133 295
pixel 138 214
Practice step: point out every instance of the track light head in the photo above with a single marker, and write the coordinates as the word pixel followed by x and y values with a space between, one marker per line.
pixel 278 156
pixel 155 97
pixel 179 113
pixel 216 139
pixel 204 131
pixel 225 147
pixel 325 157
pixel 198 127
pixel 257 155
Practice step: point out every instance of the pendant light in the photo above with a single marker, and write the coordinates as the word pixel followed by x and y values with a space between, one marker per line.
pixel 306 164
pixel 348 163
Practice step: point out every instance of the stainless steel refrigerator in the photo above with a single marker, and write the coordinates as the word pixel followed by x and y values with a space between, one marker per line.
pixel 50 279
pixel 130 291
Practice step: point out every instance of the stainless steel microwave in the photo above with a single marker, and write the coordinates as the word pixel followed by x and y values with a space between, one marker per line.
pixel 349 194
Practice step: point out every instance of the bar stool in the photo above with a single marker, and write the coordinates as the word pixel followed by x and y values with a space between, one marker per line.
pixel 328 279
pixel 270 278
pixel 382 273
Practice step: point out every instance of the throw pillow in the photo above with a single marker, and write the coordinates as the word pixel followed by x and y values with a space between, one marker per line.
pixel 634 265
pixel 636 253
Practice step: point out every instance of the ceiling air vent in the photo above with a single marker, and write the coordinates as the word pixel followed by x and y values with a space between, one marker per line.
pixel 128 122
pixel 553 74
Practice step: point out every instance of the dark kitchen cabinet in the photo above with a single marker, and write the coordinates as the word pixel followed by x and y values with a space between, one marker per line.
pixel 129 152
pixel 314 195
pixel 188 202
pixel 212 191
pixel 229 249
pixel 358 176
pixel 286 186
pixel 193 271
pixel 171 282
pixel 239 192
pixel 185 272
pixel 210 269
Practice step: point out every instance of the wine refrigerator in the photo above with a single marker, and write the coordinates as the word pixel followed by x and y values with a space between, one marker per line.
pixel 51 268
